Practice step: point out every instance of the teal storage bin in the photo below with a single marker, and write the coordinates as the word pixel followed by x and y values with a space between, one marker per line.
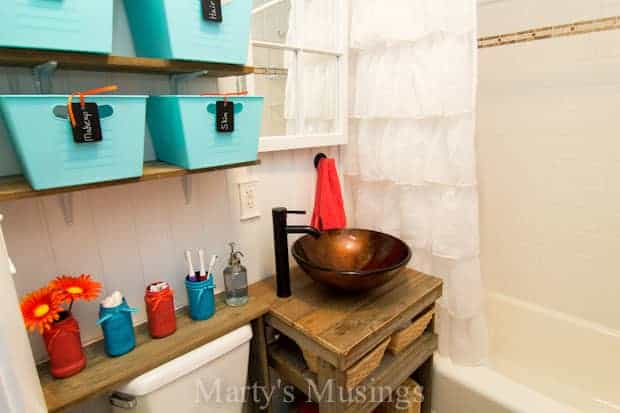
pixel 41 134
pixel 73 25
pixel 184 131
pixel 176 29
pixel 201 298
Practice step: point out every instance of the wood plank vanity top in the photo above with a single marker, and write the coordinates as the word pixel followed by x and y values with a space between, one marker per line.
pixel 342 328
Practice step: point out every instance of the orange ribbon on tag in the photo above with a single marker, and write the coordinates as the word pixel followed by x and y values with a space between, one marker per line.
pixel 95 91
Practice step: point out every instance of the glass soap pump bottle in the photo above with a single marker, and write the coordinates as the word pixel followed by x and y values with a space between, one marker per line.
pixel 235 279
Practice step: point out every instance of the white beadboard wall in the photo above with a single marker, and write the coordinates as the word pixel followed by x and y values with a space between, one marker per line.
pixel 128 236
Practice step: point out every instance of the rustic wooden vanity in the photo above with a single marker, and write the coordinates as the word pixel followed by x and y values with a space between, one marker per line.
pixel 359 346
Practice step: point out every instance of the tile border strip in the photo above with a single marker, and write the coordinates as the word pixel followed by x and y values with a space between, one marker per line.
pixel 570 29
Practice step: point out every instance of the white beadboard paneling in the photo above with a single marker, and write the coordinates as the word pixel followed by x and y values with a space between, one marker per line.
pixel 115 232
pixel 76 252
pixel 215 231
pixel 128 236
pixel 31 251
pixel 153 229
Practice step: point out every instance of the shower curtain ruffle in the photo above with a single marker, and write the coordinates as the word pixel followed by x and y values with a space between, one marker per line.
pixel 376 23
pixel 410 161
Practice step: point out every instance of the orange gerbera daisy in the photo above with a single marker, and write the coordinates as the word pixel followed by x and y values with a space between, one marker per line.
pixel 41 308
pixel 76 288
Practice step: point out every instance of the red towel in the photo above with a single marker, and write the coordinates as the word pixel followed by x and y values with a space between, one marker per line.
pixel 328 205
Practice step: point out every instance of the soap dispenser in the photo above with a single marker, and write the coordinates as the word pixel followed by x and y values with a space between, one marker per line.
pixel 235 279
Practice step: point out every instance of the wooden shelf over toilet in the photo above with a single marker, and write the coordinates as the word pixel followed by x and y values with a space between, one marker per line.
pixel 110 63
pixel 17 187
pixel 103 373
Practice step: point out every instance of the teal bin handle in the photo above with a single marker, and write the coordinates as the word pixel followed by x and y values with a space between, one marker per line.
pixel 61 112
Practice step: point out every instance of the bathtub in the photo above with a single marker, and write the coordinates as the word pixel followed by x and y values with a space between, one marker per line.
pixel 540 361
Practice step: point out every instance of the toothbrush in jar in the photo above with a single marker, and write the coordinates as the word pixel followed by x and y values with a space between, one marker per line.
pixel 190 267
pixel 203 274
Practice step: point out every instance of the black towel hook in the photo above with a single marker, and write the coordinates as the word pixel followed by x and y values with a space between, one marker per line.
pixel 318 158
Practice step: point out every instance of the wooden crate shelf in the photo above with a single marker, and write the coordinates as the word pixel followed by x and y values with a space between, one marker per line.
pixel 110 63
pixel 17 187
pixel 288 361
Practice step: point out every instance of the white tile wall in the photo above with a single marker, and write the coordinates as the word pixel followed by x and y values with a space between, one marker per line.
pixel 549 162
pixel 506 16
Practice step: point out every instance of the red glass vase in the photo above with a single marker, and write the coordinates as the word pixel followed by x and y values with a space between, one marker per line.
pixel 64 347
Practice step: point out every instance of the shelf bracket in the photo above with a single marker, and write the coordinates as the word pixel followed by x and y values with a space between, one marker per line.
pixel 66 204
pixel 187 189
pixel 176 80
pixel 42 75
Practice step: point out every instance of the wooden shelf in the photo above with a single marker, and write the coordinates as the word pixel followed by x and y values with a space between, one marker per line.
pixel 17 187
pixel 108 63
pixel 103 373
pixel 289 363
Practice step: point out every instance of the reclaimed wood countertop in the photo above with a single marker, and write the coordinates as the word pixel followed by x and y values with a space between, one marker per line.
pixel 340 325
pixel 342 328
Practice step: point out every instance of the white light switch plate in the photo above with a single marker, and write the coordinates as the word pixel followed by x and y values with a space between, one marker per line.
pixel 248 195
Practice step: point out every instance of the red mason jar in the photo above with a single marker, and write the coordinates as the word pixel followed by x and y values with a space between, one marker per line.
pixel 162 319
pixel 64 347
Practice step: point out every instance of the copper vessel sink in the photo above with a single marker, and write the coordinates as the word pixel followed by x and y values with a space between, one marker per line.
pixel 351 259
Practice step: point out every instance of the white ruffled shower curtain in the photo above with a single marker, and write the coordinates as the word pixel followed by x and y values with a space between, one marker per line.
pixel 410 162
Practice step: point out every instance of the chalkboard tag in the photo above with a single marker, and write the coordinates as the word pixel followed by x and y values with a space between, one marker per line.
pixel 212 10
pixel 225 116
pixel 87 123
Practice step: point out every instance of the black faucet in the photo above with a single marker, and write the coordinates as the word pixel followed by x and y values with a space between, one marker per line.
pixel 280 243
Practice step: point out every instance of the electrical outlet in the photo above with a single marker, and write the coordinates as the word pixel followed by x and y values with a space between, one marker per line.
pixel 248 195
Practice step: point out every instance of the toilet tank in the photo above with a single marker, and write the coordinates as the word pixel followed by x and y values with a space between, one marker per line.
pixel 211 378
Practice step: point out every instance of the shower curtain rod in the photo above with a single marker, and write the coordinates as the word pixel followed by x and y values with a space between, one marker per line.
pixel 570 29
